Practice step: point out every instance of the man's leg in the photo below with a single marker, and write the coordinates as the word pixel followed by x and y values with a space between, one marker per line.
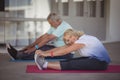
pixel 18 54
pixel 30 56
pixel 25 56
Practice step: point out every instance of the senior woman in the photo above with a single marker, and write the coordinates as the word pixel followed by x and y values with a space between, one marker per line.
pixel 94 55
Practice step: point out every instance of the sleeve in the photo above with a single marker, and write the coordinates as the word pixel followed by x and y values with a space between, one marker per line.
pixel 81 41
pixel 60 31
pixel 50 30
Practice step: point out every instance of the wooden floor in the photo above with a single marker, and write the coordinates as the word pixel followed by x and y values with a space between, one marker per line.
pixel 16 70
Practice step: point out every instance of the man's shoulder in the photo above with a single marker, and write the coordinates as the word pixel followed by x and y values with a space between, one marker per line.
pixel 65 25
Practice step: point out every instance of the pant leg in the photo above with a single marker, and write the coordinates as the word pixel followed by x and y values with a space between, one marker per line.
pixel 84 63
pixel 25 56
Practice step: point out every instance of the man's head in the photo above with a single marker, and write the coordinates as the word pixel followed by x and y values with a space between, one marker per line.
pixel 54 20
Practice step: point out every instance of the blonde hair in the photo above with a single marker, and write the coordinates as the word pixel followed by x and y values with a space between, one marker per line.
pixel 73 33
pixel 54 17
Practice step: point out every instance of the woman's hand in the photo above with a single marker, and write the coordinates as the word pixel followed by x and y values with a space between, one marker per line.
pixel 40 53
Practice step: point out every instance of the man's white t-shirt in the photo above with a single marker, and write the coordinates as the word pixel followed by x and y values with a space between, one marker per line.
pixel 59 33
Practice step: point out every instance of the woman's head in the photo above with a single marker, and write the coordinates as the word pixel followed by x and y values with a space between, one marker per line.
pixel 54 19
pixel 70 36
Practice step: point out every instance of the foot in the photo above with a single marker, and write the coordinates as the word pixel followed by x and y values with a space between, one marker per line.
pixel 11 47
pixel 12 52
pixel 8 46
pixel 12 55
pixel 39 61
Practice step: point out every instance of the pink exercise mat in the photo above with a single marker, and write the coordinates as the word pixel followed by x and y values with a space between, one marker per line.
pixel 34 69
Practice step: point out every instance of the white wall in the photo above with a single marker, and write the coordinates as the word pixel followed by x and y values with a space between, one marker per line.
pixel 95 26
pixel 2 28
pixel 114 21
pixel 17 30
pixel 91 26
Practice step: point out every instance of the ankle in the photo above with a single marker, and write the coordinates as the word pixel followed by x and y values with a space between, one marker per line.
pixel 45 65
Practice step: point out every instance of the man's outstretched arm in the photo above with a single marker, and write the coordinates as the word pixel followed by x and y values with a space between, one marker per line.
pixel 35 42
pixel 42 41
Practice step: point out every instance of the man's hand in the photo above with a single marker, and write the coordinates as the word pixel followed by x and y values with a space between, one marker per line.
pixel 29 50
pixel 27 47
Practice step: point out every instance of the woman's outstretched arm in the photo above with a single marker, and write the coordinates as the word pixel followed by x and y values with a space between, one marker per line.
pixel 61 50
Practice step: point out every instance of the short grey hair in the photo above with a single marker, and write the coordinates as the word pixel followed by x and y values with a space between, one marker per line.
pixel 54 17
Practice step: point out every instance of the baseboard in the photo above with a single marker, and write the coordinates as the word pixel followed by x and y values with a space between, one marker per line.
pixel 110 41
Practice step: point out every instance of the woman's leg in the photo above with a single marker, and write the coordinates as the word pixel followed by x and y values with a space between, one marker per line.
pixel 84 63
pixel 54 65
pixel 43 64
pixel 72 64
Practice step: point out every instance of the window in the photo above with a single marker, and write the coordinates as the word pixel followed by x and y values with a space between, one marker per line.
pixel 102 8
pixel 20 13
pixel 2 5
pixel 79 7
pixel 56 6
pixel 65 7
pixel 24 21
pixel 91 4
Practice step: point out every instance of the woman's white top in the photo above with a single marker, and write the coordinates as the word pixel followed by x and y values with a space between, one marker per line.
pixel 93 48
